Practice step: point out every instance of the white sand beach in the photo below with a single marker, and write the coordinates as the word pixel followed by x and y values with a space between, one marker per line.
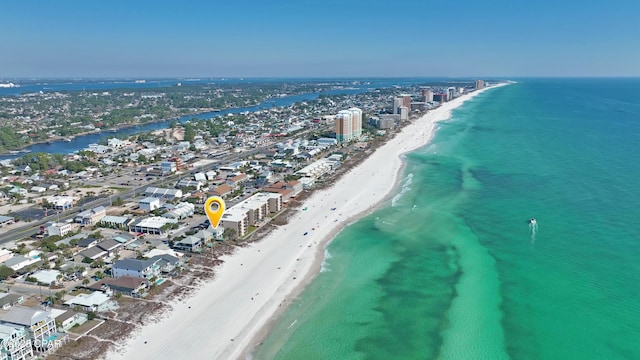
pixel 227 316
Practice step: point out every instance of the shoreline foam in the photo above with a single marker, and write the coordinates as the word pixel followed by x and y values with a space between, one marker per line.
pixel 227 317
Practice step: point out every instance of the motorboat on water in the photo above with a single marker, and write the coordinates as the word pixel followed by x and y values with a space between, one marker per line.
pixel 532 221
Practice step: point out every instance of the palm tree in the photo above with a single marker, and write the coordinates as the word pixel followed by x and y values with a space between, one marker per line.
pixel 229 234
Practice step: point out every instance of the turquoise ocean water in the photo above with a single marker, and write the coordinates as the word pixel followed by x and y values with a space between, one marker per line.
pixel 451 269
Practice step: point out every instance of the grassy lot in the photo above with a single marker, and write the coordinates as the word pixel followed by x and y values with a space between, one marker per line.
pixel 84 327
pixel 117 188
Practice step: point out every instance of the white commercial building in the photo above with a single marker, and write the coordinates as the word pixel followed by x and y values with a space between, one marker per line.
pixel 181 211
pixel 149 204
pixel 61 202
pixel 163 193
pixel 151 225
pixel 59 229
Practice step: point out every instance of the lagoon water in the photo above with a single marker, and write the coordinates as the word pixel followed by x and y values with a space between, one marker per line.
pixel 451 268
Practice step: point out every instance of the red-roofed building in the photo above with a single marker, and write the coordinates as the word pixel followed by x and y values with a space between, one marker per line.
pixel 237 180
pixel 221 190
pixel 288 190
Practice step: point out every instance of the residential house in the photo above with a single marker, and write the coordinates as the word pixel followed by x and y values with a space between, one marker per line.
pixel 39 324
pixel 51 187
pixel 38 189
pixel 17 190
pixel 189 243
pixel 124 238
pixel 96 301
pixel 92 253
pixel 18 262
pixel 47 276
pixel 126 285
pixel 110 246
pixel 166 263
pixel 133 267
pixel 69 318
pixel 7 300
pixel 206 235
pixel 88 242
pixel 24 168
pixel 15 343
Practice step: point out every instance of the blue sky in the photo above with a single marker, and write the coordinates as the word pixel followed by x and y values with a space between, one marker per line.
pixel 329 38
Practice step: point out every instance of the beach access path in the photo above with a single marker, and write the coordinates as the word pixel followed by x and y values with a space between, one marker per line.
pixel 225 318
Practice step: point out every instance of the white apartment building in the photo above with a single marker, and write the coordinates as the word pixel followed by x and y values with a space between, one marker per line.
pixel 59 229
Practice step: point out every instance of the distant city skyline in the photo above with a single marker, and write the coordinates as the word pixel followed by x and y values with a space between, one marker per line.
pixel 318 39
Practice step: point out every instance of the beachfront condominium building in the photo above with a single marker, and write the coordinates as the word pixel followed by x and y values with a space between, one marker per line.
pixel 236 219
pixel 452 93
pixel 343 126
pixel 427 95
pixel 356 122
pixel 251 212
pixel 479 84
pixel 403 111
pixel 404 100
pixel 440 97
pixel 348 124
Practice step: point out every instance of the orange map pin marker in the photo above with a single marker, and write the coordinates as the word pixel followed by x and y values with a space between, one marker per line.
pixel 214 214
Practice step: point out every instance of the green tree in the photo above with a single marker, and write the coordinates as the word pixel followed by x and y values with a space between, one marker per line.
pixel 189 132
pixel 6 272
pixel 230 234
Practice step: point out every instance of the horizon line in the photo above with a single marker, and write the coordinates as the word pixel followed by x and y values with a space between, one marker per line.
pixel 197 78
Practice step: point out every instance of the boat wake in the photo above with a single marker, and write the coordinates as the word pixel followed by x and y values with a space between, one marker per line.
pixel 533 229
